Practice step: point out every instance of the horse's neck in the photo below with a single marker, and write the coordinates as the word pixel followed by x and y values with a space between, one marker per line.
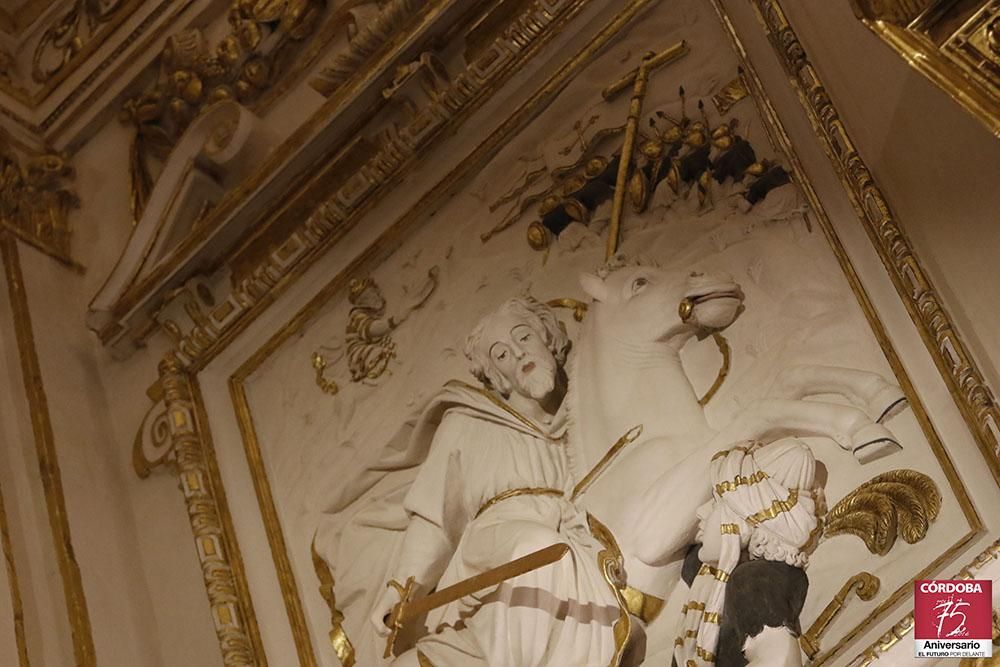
pixel 616 386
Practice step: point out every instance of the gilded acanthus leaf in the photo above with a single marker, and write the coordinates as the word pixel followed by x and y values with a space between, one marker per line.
pixel 895 503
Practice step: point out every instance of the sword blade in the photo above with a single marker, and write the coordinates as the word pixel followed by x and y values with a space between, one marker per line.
pixel 497 575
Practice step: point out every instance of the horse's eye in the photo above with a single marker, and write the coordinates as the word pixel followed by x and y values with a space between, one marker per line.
pixel 638 284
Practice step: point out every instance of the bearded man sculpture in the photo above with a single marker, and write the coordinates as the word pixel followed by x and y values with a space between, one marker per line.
pixel 496 486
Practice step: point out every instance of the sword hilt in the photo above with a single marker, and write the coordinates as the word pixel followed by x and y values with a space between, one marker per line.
pixel 395 620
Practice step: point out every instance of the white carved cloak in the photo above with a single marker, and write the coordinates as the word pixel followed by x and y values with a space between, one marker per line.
pixel 475 450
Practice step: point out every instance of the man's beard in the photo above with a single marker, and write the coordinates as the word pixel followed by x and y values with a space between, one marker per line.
pixel 540 381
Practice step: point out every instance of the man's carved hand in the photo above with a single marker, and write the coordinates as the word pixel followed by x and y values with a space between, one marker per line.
pixel 383 607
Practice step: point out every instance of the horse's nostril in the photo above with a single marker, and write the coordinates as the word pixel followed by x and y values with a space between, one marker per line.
pixel 696 274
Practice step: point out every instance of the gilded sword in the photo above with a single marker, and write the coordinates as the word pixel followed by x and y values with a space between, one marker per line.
pixel 408 609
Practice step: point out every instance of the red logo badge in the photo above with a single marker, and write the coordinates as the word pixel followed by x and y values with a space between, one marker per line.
pixel 953 618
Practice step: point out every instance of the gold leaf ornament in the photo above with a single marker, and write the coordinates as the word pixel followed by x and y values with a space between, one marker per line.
pixel 266 11
pixel 895 503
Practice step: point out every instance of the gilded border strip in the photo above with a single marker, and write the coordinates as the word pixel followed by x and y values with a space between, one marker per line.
pixel 783 142
pixel 15 589
pixel 48 460
pixel 966 384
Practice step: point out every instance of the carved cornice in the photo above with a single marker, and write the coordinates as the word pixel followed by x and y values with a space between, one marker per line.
pixel 955 45
pixel 34 200
pixel 424 102
pixel 972 395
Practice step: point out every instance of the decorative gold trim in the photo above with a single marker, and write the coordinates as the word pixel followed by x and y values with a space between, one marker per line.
pixel 780 139
pixel 740 480
pixel 218 552
pixel 272 525
pixel 727 357
pixel 514 493
pixel 714 572
pixel 34 200
pixel 15 589
pixel 612 565
pixel 968 388
pixel 338 638
pixel 48 459
pixel 963 63
pixel 865 584
pixel 643 606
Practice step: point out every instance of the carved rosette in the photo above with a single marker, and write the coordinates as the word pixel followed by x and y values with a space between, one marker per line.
pixel 969 390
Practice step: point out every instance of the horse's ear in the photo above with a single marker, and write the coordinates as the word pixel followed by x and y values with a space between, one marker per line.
pixel 594 286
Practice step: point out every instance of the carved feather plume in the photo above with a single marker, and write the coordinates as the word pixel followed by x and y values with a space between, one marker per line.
pixel 898 502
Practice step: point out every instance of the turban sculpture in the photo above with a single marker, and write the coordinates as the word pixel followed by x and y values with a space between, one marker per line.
pixel 762 501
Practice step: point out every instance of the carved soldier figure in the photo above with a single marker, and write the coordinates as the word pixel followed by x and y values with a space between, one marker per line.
pixel 746 575
pixel 496 486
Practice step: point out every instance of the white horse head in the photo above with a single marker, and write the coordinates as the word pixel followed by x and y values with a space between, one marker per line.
pixel 626 367
pixel 647 304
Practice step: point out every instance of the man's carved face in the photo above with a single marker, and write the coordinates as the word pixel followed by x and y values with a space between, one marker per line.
pixel 520 354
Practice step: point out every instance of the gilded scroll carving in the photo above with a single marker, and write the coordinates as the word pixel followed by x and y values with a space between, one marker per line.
pixel 64 39
pixel 177 434
pixel 35 201
pixel 865 584
pixel 264 36
pixel 971 393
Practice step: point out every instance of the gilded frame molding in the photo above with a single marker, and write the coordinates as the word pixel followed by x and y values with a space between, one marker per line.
pixel 972 395
pixel 211 336
pixel 48 463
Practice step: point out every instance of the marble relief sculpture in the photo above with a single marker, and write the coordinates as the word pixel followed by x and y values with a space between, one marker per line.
pixel 497 485
pixel 543 454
